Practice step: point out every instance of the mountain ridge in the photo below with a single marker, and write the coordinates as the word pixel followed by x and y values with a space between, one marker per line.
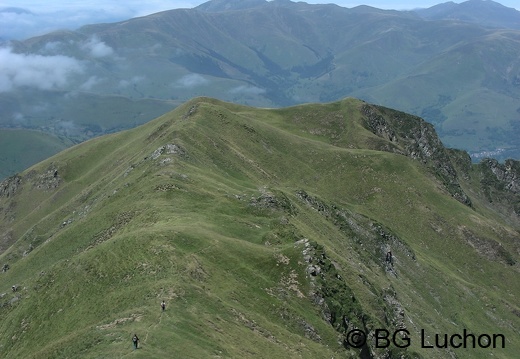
pixel 265 230
pixel 483 12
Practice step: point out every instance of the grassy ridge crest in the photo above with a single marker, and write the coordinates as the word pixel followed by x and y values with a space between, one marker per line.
pixel 264 230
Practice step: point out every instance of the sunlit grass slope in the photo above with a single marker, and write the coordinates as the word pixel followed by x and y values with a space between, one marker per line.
pixel 265 231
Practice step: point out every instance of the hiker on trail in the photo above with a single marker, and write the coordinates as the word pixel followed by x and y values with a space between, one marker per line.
pixel 135 340
pixel 389 257
pixel 163 305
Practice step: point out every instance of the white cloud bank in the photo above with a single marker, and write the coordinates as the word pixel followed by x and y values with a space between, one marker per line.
pixel 35 71
pixel 90 83
pixel 22 19
pixel 247 90
pixel 190 81
pixel 97 48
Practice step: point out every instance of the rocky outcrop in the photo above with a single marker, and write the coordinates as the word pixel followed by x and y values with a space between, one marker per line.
pixel 412 136
pixel 46 180
pixel 273 200
pixel 366 234
pixel 8 189
pixel 331 293
pixel 501 183
pixel 507 175
pixel 9 186
pixel 169 149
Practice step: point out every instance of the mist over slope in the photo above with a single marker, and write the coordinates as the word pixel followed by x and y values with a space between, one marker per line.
pixel 266 231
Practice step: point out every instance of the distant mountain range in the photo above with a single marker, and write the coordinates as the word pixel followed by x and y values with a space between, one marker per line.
pixel 480 12
pixel 15 10
pixel 455 65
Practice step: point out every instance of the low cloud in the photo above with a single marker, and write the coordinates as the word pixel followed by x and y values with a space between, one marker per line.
pixel 247 90
pixel 52 47
pixel 97 48
pixel 67 127
pixel 20 24
pixel 32 18
pixel 19 118
pixel 191 80
pixel 90 83
pixel 36 71
pixel 133 81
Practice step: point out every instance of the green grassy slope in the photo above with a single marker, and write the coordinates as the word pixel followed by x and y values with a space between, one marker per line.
pixel 265 231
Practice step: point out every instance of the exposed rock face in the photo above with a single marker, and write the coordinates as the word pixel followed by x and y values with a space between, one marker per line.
pixel 501 183
pixel 48 180
pixel 276 200
pixel 379 126
pixel 462 162
pixel 169 149
pixel 9 186
pixel 332 294
pixel 415 138
pixel 507 175
pixel 190 112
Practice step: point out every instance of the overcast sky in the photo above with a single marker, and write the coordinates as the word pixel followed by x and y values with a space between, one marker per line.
pixel 49 15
